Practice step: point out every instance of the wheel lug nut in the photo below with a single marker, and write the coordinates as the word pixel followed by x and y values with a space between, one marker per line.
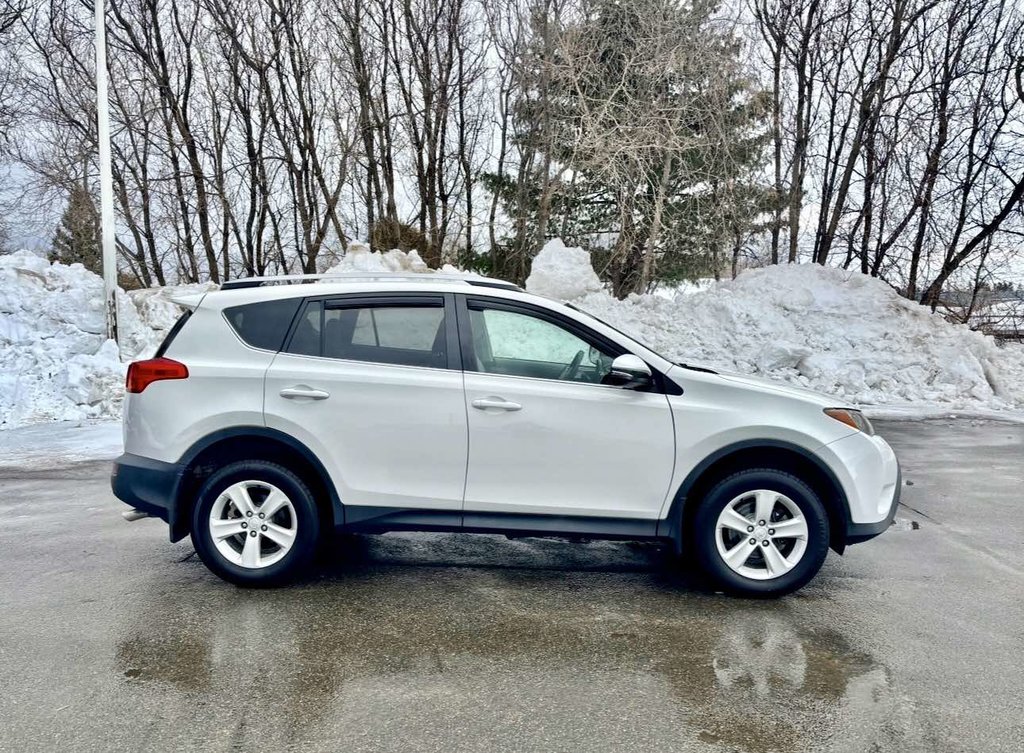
pixel 764 543
pixel 261 515
pixel 750 529
pixel 753 541
pixel 252 533
pixel 771 531
pixel 760 522
pixel 249 514
pixel 245 525
pixel 263 528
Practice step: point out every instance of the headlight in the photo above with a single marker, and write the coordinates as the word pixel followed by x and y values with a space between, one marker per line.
pixel 852 418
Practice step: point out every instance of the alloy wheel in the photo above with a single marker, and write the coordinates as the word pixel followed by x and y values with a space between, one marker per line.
pixel 761 534
pixel 253 524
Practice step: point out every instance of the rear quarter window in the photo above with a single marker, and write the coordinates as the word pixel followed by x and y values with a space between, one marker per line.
pixel 264 324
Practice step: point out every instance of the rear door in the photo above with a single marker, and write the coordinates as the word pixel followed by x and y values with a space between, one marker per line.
pixel 546 437
pixel 373 385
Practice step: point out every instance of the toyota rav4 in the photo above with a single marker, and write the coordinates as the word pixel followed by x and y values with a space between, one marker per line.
pixel 276 413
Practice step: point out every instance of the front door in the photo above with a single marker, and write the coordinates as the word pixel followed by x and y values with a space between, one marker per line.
pixel 546 437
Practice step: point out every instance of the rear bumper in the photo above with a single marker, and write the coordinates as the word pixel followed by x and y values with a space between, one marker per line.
pixel 151 486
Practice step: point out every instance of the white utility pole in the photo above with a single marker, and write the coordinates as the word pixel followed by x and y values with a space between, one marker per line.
pixel 106 180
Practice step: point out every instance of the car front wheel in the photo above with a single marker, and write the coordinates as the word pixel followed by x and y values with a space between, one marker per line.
pixel 761 532
pixel 255 523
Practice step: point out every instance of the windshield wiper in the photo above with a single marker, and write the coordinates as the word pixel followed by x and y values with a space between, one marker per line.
pixel 688 367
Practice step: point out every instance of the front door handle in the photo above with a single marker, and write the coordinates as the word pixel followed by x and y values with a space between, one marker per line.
pixel 303 391
pixel 485 403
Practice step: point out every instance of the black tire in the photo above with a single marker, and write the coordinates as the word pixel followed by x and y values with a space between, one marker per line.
pixel 306 523
pixel 704 532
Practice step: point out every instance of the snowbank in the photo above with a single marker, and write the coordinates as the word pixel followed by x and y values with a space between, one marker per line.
pixel 563 273
pixel 56 363
pixel 838 332
pixel 359 258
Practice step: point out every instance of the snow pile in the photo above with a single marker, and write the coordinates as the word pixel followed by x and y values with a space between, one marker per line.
pixel 838 332
pixel 56 363
pixel 562 273
pixel 55 360
pixel 359 258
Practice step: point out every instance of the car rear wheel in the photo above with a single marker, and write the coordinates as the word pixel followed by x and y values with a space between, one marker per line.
pixel 255 523
pixel 761 532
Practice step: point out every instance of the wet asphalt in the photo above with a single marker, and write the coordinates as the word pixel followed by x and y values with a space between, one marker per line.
pixel 111 638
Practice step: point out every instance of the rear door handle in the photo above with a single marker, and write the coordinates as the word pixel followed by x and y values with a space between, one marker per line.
pixel 302 391
pixel 484 403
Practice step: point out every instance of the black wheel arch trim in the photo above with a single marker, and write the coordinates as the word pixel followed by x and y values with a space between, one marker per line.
pixel 246 432
pixel 671 526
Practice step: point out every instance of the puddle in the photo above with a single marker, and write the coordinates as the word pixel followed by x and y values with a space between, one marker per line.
pixel 525 652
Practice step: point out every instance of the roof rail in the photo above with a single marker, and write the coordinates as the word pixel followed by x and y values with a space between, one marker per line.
pixel 255 282
pixel 487 282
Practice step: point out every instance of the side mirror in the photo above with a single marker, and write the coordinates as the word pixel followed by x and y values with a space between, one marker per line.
pixel 629 372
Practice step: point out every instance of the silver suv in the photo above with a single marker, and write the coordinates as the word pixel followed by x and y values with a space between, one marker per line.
pixel 276 413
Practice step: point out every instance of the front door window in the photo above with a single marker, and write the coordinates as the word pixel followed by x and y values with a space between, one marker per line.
pixel 519 344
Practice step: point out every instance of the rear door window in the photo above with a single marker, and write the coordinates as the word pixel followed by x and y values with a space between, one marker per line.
pixel 408 332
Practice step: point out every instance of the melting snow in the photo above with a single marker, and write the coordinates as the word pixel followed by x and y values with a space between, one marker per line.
pixel 838 332
pixel 56 363
pixel 830 330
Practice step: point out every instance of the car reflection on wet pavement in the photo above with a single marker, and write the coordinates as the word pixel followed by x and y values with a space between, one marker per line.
pixel 114 639
pixel 512 655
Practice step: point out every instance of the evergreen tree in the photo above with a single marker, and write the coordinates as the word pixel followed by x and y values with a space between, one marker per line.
pixel 77 235
pixel 657 131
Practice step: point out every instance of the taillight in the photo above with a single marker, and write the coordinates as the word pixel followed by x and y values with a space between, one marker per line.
pixel 141 374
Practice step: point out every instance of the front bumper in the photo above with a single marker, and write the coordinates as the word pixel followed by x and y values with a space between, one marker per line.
pixel 859 532
pixel 868 473
pixel 151 486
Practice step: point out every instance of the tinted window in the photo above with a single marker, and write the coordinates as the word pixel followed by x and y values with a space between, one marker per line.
pixel 306 339
pixel 519 344
pixel 264 324
pixel 406 335
pixel 407 327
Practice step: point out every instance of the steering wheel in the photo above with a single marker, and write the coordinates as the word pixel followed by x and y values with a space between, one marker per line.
pixel 569 372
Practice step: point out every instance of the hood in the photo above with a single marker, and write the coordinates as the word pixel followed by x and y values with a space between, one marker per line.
pixel 800 393
pixel 777 387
